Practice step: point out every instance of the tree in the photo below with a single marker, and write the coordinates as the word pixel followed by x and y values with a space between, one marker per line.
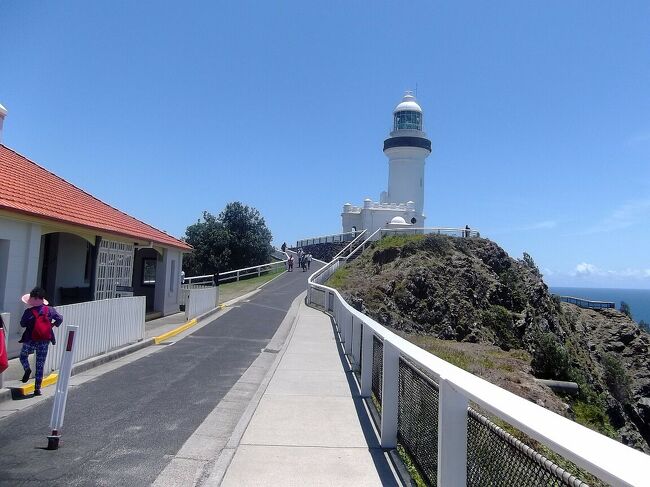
pixel 237 238
pixel 625 309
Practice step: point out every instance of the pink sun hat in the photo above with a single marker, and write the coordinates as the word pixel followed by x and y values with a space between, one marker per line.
pixel 32 301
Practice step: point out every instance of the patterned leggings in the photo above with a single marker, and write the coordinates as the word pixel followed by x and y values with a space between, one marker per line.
pixel 40 348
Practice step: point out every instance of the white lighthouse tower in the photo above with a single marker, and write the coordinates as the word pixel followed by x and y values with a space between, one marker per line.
pixel 407 148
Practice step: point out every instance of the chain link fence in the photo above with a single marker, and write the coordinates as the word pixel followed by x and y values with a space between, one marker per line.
pixel 494 457
pixel 377 367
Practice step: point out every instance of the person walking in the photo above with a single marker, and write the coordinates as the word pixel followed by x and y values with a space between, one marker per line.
pixel 308 261
pixel 38 321
pixel 290 263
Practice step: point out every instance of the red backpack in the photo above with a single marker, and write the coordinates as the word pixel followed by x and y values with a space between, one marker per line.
pixel 42 330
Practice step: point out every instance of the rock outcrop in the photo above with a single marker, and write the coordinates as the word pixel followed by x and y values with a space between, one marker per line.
pixel 471 290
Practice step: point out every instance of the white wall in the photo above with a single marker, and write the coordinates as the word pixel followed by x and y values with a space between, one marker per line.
pixel 168 271
pixel 406 175
pixel 19 271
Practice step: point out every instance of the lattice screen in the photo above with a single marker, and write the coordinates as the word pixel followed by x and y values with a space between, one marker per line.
pixel 114 268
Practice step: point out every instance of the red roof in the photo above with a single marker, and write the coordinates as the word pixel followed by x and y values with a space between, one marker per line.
pixel 67 203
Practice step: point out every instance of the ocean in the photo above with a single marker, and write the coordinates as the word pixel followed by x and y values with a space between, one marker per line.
pixel 638 299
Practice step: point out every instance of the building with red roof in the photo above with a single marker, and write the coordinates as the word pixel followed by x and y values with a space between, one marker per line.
pixel 75 246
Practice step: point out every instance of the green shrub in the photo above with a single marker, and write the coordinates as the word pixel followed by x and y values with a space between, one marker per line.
pixel 499 320
pixel 550 358
pixel 616 377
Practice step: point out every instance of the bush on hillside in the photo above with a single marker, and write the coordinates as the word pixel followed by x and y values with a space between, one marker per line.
pixel 550 358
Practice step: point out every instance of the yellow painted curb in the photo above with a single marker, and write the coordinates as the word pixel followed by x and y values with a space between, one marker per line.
pixel 176 331
pixel 29 388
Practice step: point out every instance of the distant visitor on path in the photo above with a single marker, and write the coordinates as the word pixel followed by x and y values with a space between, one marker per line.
pixel 467 231
pixel 284 247
pixel 308 257
pixel 38 321
pixel 290 263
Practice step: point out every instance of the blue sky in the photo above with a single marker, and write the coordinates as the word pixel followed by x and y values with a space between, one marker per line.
pixel 539 114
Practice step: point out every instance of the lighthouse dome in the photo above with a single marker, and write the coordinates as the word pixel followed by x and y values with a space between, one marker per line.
pixel 408 104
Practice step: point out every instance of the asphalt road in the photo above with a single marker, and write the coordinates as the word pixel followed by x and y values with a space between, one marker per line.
pixel 125 426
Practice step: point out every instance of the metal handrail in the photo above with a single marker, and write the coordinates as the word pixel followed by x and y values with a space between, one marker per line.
pixel 587 303
pixel 327 239
pixel 604 457
pixel 237 272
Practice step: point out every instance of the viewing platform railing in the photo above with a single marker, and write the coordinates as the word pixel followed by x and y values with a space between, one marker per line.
pixel 439 412
pixel 586 303
pixel 336 238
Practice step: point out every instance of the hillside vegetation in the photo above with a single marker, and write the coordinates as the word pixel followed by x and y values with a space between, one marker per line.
pixel 467 301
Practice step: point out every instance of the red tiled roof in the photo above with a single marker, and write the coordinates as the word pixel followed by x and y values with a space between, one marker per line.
pixel 67 203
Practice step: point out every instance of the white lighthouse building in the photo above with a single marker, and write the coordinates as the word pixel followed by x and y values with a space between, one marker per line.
pixel 407 148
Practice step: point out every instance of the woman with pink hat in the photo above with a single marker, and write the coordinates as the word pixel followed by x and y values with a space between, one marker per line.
pixel 38 321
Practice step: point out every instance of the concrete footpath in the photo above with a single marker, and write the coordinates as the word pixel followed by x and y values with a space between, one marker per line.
pixel 310 426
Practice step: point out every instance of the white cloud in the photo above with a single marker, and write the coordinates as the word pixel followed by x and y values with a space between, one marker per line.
pixel 627 215
pixel 585 269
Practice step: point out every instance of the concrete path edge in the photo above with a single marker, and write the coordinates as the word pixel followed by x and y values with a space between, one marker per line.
pixel 226 455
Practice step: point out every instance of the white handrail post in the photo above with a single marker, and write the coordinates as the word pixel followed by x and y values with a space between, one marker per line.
pixel 366 360
pixel 452 435
pixel 390 396
pixel 356 344
pixel 237 275
pixel 348 335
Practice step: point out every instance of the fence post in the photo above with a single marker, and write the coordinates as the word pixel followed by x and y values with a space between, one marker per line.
pixel 452 435
pixel 355 353
pixel 390 396
pixel 347 346
pixel 366 360
pixel 237 275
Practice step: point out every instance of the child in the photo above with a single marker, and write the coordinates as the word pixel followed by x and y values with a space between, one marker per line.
pixel 32 342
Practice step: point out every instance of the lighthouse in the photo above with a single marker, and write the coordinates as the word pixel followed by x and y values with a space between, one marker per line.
pixel 407 148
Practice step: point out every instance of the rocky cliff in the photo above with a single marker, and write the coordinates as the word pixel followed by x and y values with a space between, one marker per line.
pixel 469 290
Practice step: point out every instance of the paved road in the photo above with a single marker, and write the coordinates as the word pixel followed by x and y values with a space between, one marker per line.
pixel 124 427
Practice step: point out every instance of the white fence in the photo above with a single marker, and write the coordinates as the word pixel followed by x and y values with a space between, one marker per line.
pixel 605 458
pixel 237 274
pixel 199 301
pixel 184 292
pixel 104 325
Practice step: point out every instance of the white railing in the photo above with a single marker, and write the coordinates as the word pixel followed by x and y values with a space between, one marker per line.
pixel 199 301
pixel 335 238
pixel 605 458
pixel 104 325
pixel 237 274
pixel 185 291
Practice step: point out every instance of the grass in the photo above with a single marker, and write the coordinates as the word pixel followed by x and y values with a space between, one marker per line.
pixel 339 278
pixel 410 467
pixel 466 361
pixel 593 416
pixel 232 290
pixel 396 241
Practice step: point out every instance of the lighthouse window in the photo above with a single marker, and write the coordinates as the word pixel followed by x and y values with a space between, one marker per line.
pixel 408 120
